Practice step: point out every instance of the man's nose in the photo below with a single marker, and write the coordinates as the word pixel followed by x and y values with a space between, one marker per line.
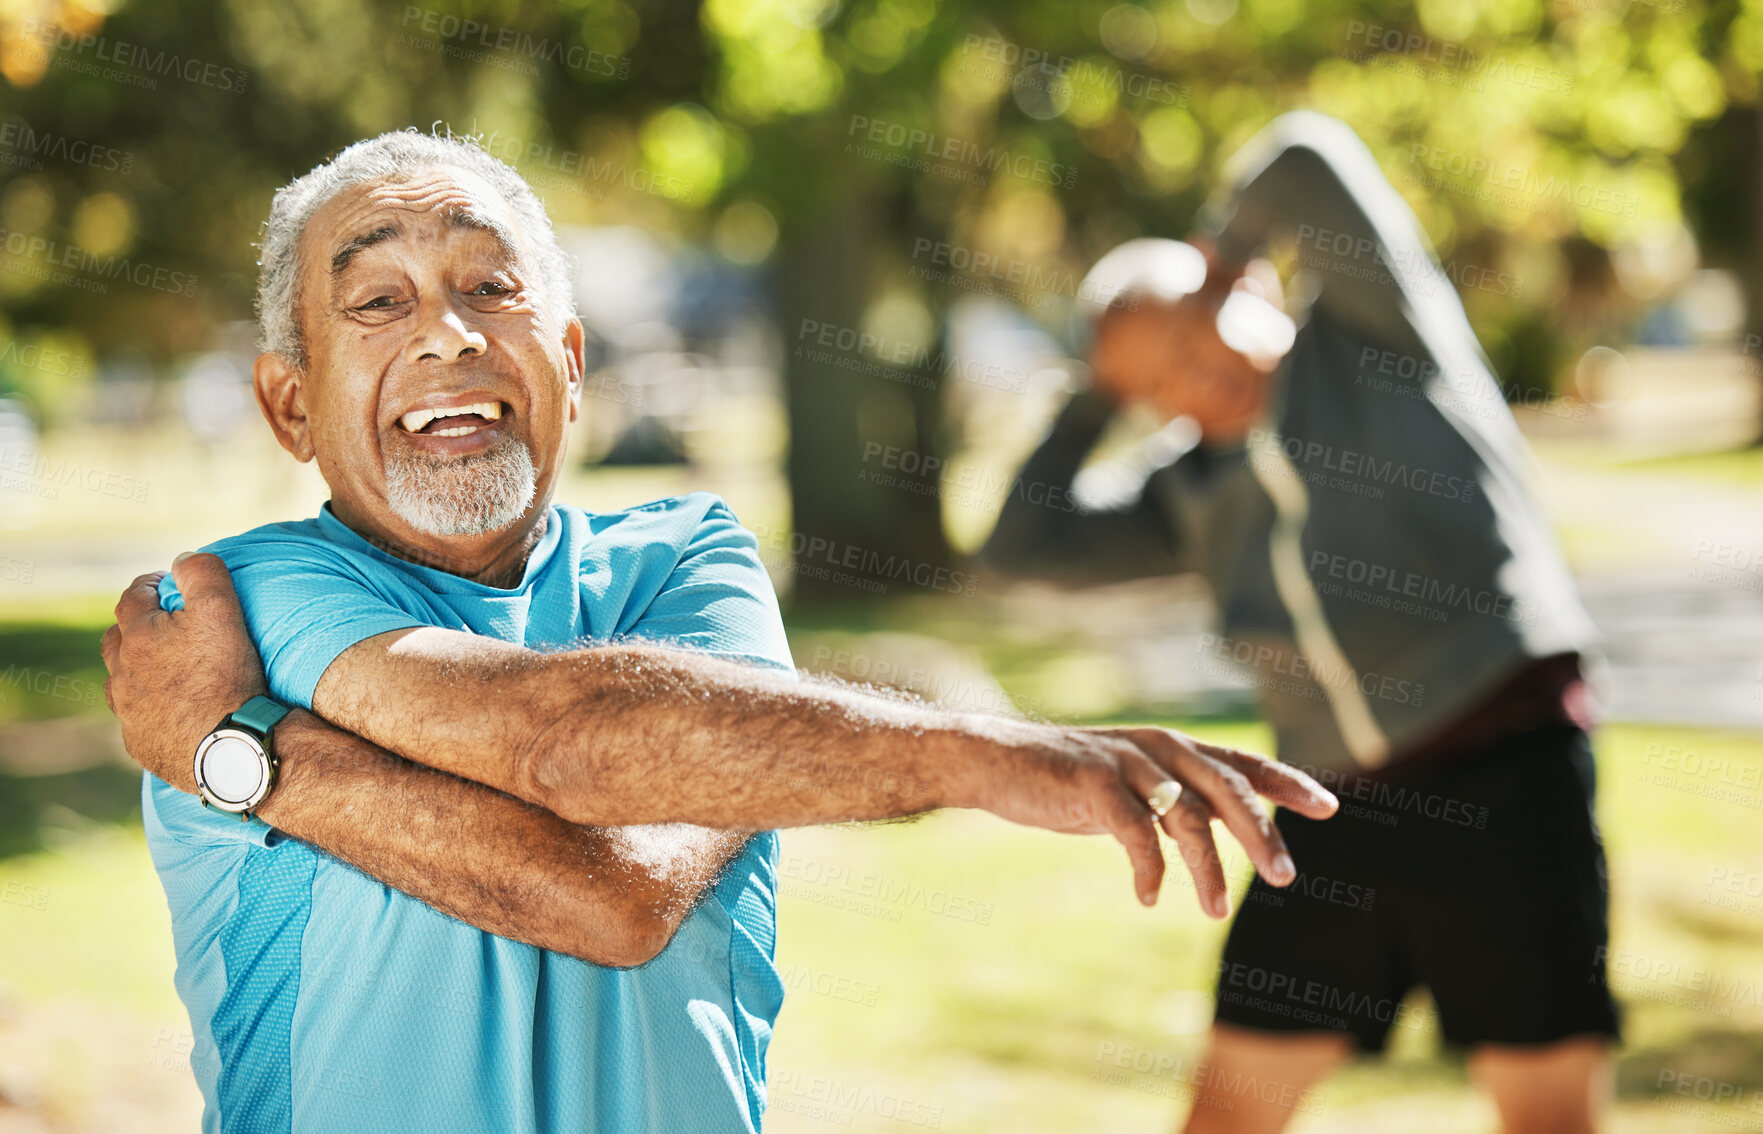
pixel 444 335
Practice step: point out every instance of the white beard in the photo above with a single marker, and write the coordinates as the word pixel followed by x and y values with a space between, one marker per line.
pixel 470 495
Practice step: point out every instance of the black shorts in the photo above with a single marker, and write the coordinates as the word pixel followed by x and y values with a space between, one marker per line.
pixel 1483 880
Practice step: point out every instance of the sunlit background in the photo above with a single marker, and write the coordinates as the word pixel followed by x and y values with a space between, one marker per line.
pixel 829 254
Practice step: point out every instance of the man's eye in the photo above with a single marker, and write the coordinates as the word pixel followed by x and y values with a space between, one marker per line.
pixel 490 287
pixel 377 301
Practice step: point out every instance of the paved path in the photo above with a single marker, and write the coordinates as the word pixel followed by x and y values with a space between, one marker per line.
pixel 1681 650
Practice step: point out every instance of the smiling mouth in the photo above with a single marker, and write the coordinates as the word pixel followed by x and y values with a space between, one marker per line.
pixel 452 421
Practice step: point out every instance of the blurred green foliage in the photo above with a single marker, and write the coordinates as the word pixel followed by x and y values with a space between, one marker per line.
pixel 1591 100
pixel 1544 143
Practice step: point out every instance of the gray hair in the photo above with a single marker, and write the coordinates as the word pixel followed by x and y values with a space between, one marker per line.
pixel 396 154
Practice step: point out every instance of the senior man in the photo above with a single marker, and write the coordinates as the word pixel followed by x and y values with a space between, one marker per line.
pixel 495 852
pixel 1355 493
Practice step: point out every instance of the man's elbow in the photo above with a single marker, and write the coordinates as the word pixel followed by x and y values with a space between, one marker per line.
pixel 642 939
pixel 621 937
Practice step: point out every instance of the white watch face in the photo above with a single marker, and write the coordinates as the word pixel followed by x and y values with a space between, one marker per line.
pixel 232 769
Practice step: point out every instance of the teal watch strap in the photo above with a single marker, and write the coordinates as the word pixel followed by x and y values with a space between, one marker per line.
pixel 261 714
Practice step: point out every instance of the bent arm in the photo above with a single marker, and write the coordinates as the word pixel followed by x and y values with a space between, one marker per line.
pixel 1045 532
pixel 610 897
pixel 1309 177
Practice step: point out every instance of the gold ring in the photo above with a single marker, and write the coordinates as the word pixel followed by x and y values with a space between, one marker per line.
pixel 1163 797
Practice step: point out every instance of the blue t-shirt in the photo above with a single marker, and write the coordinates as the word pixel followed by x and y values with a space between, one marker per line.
pixel 322 1000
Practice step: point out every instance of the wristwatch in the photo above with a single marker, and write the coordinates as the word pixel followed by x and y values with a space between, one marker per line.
pixel 236 763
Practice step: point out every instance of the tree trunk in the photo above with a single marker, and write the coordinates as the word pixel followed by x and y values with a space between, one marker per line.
pixel 860 530
pixel 1750 264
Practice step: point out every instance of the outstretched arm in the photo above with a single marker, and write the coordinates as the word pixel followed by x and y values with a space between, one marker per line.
pixel 637 734
pixel 609 896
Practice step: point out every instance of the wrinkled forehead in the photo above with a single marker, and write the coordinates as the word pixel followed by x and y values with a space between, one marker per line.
pixel 405 207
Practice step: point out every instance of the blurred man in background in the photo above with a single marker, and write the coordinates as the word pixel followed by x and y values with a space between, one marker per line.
pixel 1353 489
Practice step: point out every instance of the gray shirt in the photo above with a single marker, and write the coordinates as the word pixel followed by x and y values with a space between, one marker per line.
pixel 1373 547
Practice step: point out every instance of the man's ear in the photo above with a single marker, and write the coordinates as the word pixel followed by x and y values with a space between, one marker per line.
pixel 281 397
pixel 572 360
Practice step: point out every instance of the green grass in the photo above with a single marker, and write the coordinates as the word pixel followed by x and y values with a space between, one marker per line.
pixel 1738 468
pixel 1734 468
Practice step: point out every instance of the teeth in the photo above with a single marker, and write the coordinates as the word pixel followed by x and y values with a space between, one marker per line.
pixel 414 421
